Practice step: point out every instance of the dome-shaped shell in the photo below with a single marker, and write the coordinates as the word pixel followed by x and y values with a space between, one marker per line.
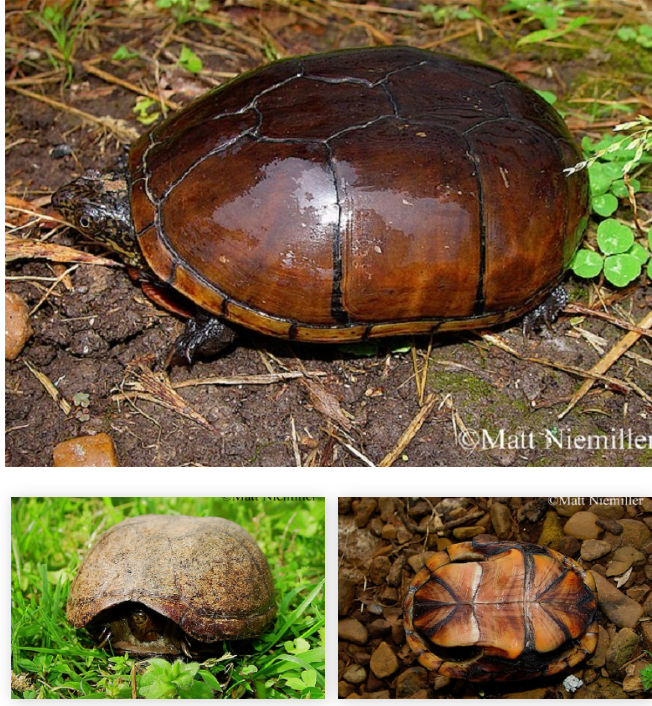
pixel 206 574
pixel 361 193
pixel 500 611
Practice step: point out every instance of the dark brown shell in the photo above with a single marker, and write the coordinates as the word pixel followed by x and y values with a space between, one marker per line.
pixel 361 193
pixel 206 574
pixel 506 610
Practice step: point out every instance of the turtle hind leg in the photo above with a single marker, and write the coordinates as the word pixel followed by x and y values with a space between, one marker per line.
pixel 205 334
pixel 546 313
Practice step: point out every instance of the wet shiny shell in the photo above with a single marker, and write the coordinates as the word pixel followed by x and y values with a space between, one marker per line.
pixel 206 574
pixel 501 611
pixel 361 193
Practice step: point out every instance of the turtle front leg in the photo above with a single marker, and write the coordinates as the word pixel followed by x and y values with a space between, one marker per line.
pixel 547 312
pixel 205 334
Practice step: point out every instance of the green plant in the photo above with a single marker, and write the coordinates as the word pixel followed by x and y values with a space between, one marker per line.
pixel 163 680
pixel 184 10
pixel 146 110
pixel 641 35
pixel 440 15
pixel 189 60
pixel 550 15
pixel 646 674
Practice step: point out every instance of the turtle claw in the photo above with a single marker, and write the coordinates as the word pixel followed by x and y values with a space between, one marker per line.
pixel 185 649
pixel 546 313
pixel 204 334
pixel 105 636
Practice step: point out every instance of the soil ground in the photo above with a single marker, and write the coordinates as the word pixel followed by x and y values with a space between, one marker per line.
pixel 96 326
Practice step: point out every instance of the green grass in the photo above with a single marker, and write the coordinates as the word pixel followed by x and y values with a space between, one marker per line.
pixel 50 659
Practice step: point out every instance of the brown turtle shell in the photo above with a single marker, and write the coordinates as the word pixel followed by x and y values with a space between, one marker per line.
pixel 206 574
pixel 500 611
pixel 361 193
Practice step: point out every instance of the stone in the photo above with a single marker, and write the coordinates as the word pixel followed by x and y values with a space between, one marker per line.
pixel 440 682
pixel 646 629
pixel 538 693
pixel 635 533
pixel 582 526
pixel 601 689
pixel 648 572
pixel 620 651
pixel 383 661
pixel 344 505
pixel 387 508
pixel 569 546
pixel 362 657
pixel 621 610
pixel 623 558
pixel 609 509
pixel 552 531
pixel 355 674
pixel 613 540
pixel 352 630
pixel 345 595
pixel 632 683
pixel 389 595
pixel 567 507
pixel 598 658
pixel 646 504
pixel 593 549
pixel 376 526
pixel 18 328
pixel 463 533
pixel 363 511
pixel 533 510
pixel 376 695
pixel 442 543
pixel 610 526
pixel 410 681
pixel 403 535
pixel 420 509
pixel 344 689
pixel 416 562
pixel 501 520
pixel 379 569
pixel 88 451
pixel 647 606
pixel 396 572
pixel 638 593
pixel 379 628
pixel 388 532
pixel 421 694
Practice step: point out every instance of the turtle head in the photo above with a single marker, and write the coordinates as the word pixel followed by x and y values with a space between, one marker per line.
pixel 97 205
pixel 143 625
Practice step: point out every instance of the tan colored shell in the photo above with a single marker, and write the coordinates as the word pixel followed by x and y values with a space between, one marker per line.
pixel 206 574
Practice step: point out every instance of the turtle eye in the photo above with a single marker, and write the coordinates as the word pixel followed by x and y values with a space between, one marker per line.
pixel 85 222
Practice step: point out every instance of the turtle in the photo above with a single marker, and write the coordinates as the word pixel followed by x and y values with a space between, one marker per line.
pixel 171 585
pixel 500 611
pixel 346 196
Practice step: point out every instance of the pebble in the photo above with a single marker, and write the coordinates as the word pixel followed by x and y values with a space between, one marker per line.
pixel 602 689
pixel 352 630
pixel 376 526
pixel 624 558
pixel 462 533
pixel 344 505
pixel 569 546
pixel 389 595
pixel 646 504
pixel 344 689
pixel 421 694
pixel 610 526
pixel 582 526
pixel 638 593
pixel 552 531
pixel 396 572
pixel 87 451
pixel 538 693
pixel 440 682
pixel 620 609
pixel 420 509
pixel 18 328
pixel 376 695
pixel 613 539
pixel 598 658
pixel 345 595
pixel 386 507
pixel 379 628
pixel 570 506
pixel 403 535
pixel 635 534
pixel 379 569
pixel 410 682
pixel 383 661
pixel 632 683
pixel 608 511
pixel 620 651
pixel 416 562
pixel 388 532
pixel 532 511
pixel 593 549
pixel 501 519
pixel 355 674
pixel 646 629
pixel 363 511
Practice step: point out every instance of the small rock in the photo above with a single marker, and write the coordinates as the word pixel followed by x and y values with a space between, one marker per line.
pixel 621 610
pixel 635 534
pixel 442 543
pixel 598 658
pixel 632 683
pixel 624 558
pixel 533 510
pixel 376 526
pixel 539 693
pixel 417 562
pixel 389 595
pixel 462 533
pixel 388 533
pixel 610 526
pixel 376 695
pixel 648 572
pixel 421 694
pixel 18 328
pixel 383 661
pixel 345 595
pixel 410 681
pixel 420 509
pixel 646 504
pixel 344 689
pixel 601 689
pixel 441 682
pixel 647 606
pixel 88 451
pixel 638 593
pixel 609 509
pixel 620 651
pixel 361 657
pixel 355 674
pixel 501 519
pixel 590 675
pixel 352 630
pixel 569 546
pixel 344 505
pixel 449 505
pixel 485 538
pixel 551 532
pixel 403 535
pixel 387 508
pixel 396 572
pixel 612 539
pixel 379 628
pixel 593 549
pixel 379 569
pixel 582 526
pixel 363 511
pixel 646 628
pixel 567 507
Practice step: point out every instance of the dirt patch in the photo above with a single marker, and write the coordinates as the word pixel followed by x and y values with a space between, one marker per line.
pixel 89 331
